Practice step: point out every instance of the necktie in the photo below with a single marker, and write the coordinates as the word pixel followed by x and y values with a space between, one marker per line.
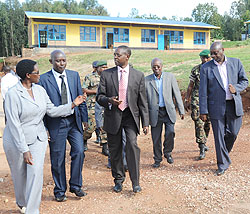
pixel 64 97
pixel 122 91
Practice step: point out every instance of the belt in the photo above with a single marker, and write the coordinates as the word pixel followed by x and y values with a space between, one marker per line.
pixel 162 108
pixel 229 100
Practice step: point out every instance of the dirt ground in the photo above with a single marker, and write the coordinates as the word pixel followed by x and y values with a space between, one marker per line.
pixel 187 186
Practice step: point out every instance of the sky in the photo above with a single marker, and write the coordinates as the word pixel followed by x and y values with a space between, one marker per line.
pixel 167 8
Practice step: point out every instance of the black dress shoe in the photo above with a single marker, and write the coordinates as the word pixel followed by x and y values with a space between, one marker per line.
pixel 220 172
pixel 61 198
pixel 118 187
pixel 78 193
pixel 170 160
pixel 156 165
pixel 136 189
pixel 105 149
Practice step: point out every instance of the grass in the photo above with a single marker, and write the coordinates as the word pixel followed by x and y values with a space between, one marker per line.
pixel 233 44
pixel 179 63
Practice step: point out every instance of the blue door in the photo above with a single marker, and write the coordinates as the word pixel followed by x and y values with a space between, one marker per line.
pixel 160 42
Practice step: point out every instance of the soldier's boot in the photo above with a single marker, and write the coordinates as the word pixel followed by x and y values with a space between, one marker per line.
pixel 202 151
pixel 98 138
pixel 85 145
pixel 105 149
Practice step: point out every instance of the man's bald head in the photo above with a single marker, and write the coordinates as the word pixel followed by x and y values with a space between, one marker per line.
pixel 217 52
pixel 56 53
pixel 216 46
pixel 156 60
pixel 58 60
pixel 156 65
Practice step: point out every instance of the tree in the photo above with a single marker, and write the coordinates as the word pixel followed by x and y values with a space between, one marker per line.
pixel 208 13
pixel 204 12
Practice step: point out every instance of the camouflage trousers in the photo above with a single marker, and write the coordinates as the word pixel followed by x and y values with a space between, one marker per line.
pixel 201 128
pixel 92 126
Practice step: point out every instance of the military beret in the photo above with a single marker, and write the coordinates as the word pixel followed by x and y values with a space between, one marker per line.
pixel 205 52
pixel 94 64
pixel 101 63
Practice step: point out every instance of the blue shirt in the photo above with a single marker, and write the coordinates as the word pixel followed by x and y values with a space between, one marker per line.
pixel 158 83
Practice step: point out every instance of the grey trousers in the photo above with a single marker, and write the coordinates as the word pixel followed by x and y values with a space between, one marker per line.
pixel 225 132
pixel 156 133
pixel 27 179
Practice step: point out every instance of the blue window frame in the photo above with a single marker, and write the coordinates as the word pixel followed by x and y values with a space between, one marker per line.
pixel 88 34
pixel 147 36
pixel 175 37
pixel 199 38
pixel 54 32
pixel 121 35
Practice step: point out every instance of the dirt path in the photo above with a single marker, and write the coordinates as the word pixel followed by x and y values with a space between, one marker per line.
pixel 187 186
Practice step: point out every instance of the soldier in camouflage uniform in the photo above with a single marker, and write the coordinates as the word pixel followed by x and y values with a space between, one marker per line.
pixel 201 128
pixel 90 85
pixel 99 111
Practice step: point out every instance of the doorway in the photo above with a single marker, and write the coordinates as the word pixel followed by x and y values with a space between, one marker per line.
pixel 110 40
pixel 43 41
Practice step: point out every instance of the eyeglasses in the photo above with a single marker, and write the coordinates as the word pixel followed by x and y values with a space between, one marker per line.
pixel 35 72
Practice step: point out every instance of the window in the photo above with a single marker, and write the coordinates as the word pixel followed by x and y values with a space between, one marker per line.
pixel 88 34
pixel 147 35
pixel 121 35
pixel 54 32
pixel 175 37
pixel 199 38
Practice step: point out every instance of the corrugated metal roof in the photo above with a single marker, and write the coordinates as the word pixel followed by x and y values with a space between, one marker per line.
pixel 117 19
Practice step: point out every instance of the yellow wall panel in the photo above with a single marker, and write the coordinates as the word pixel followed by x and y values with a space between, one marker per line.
pixel 72 35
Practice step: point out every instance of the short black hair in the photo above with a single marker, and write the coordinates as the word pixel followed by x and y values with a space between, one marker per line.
pixel 25 66
pixel 125 49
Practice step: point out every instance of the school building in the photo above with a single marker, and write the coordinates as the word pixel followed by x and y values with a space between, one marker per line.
pixel 54 30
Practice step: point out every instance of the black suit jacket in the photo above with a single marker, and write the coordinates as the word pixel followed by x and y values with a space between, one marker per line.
pixel 137 100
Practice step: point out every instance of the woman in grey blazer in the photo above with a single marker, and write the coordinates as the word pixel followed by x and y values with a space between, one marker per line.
pixel 25 139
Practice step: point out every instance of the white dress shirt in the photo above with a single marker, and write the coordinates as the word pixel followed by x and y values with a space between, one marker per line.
pixel 223 73
pixel 7 82
pixel 59 82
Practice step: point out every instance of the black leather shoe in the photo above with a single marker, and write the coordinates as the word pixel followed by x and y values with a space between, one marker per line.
pixel 136 189
pixel 170 160
pixel 118 187
pixel 78 193
pixel 220 172
pixel 105 149
pixel 61 198
pixel 156 165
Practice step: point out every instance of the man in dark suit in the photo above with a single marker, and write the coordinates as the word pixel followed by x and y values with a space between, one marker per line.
pixel 221 81
pixel 64 86
pixel 122 93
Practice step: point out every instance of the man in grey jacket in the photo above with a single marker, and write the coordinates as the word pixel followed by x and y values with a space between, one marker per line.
pixel 161 88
